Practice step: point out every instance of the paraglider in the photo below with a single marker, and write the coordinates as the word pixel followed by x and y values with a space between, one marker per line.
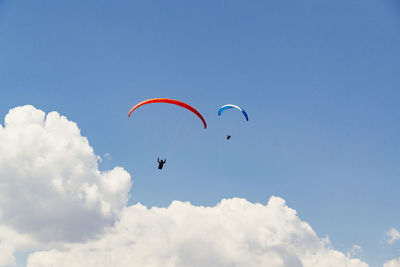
pixel 229 106
pixel 161 163
pixel 169 101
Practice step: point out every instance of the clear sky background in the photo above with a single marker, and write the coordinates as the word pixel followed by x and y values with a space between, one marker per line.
pixel 319 80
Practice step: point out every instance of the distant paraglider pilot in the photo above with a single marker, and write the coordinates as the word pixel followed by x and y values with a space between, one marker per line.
pixel 161 163
pixel 228 137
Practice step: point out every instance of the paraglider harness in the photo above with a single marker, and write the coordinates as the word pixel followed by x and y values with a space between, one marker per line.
pixel 161 163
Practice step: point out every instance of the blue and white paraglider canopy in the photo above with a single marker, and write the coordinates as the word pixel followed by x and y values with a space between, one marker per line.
pixel 228 106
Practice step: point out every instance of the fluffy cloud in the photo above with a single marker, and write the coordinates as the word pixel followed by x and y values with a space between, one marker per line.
pixel 393 235
pixel 10 241
pixel 233 233
pixel 55 202
pixel 50 185
pixel 354 251
pixel 392 263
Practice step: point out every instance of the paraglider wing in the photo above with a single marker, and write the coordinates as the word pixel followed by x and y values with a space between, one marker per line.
pixel 225 107
pixel 169 101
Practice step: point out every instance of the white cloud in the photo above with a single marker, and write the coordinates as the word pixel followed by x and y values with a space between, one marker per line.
pixel 50 185
pixel 10 241
pixel 55 202
pixel 392 263
pixel 355 251
pixel 233 233
pixel 393 235
pixel 6 254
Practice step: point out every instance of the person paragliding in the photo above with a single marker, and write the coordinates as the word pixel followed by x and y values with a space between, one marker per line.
pixel 229 106
pixel 161 163
pixel 173 102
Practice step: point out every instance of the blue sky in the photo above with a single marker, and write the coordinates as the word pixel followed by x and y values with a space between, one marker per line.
pixel 319 80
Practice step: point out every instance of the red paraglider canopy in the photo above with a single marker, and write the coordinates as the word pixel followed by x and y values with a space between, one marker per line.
pixel 169 101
